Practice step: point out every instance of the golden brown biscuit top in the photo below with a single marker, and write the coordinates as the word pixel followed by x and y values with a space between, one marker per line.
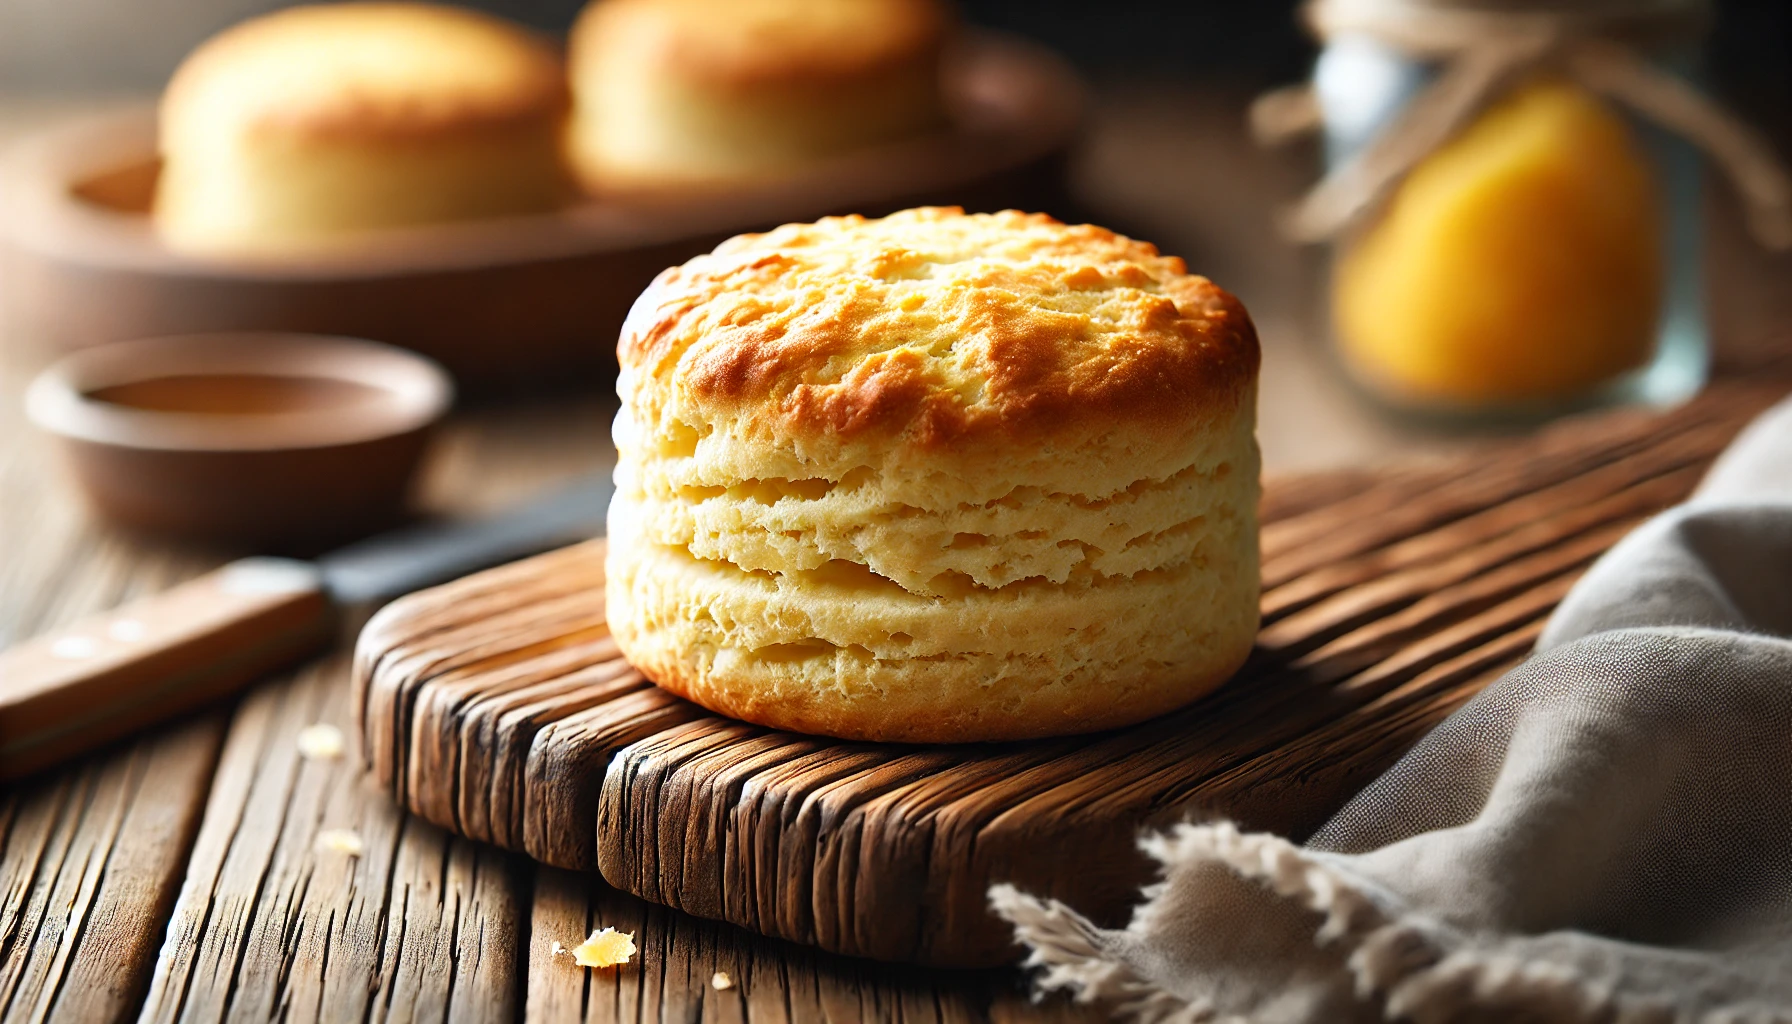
pixel 363 70
pixel 936 326
pixel 761 42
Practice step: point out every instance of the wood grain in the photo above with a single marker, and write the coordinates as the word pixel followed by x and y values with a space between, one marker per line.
pixel 90 855
pixel 272 925
pixel 92 858
pixel 95 857
pixel 671 978
pixel 499 707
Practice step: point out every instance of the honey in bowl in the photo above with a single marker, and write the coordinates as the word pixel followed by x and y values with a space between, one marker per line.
pixel 275 441
pixel 238 394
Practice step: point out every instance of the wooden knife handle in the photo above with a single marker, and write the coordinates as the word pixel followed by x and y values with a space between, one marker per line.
pixel 75 688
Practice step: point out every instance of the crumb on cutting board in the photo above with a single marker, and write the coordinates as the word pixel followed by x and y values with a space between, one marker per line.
pixel 606 947
pixel 321 742
pixel 721 981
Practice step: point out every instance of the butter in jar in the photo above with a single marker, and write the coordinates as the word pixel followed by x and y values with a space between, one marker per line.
pixel 1545 257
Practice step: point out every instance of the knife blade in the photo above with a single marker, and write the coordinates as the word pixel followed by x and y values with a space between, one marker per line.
pixel 106 676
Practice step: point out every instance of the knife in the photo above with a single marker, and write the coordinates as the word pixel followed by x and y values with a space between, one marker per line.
pixel 111 674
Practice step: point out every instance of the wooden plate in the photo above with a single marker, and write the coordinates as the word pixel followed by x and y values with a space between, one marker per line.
pixel 498 706
pixel 510 297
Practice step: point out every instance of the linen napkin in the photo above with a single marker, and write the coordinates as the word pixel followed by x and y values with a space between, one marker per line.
pixel 1605 834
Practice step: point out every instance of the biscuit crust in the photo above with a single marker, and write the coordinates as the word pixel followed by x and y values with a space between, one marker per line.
pixel 930 328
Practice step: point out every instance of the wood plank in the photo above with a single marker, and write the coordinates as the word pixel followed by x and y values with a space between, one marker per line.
pixel 92 858
pixel 671 977
pixel 1412 504
pixel 272 925
pixel 1390 599
pixel 91 854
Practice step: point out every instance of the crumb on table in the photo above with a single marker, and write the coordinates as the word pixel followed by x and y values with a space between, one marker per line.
pixel 321 742
pixel 606 947
pixel 341 840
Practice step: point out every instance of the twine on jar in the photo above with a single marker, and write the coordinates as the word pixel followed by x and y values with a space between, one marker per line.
pixel 1483 52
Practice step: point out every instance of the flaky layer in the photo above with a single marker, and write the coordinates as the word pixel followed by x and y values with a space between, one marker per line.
pixel 934 536
pixel 845 653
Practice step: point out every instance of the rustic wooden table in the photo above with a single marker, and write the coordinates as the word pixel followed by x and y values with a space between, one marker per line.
pixel 178 876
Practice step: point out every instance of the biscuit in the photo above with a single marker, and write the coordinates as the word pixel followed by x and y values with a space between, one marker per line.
pixel 296 127
pixel 689 92
pixel 936 478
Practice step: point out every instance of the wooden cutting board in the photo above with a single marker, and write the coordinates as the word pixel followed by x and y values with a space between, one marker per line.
pixel 499 707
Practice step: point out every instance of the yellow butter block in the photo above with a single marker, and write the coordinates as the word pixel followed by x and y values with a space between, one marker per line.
pixel 1521 262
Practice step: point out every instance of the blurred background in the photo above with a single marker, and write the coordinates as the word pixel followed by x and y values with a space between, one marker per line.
pixel 1165 155
pixel 87 45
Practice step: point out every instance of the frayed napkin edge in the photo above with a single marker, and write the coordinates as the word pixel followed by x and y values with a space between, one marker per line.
pixel 1418 969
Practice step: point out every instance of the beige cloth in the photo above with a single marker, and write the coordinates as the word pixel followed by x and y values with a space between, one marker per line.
pixel 1603 835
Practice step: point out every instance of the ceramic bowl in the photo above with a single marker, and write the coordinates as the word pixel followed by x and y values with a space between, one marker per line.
pixel 276 441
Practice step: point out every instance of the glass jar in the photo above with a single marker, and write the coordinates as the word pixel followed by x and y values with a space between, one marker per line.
pixel 1545 259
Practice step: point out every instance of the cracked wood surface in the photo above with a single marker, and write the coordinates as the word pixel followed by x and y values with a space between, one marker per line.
pixel 178 876
pixel 679 957
pixel 498 706
pixel 273 924
pixel 90 855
